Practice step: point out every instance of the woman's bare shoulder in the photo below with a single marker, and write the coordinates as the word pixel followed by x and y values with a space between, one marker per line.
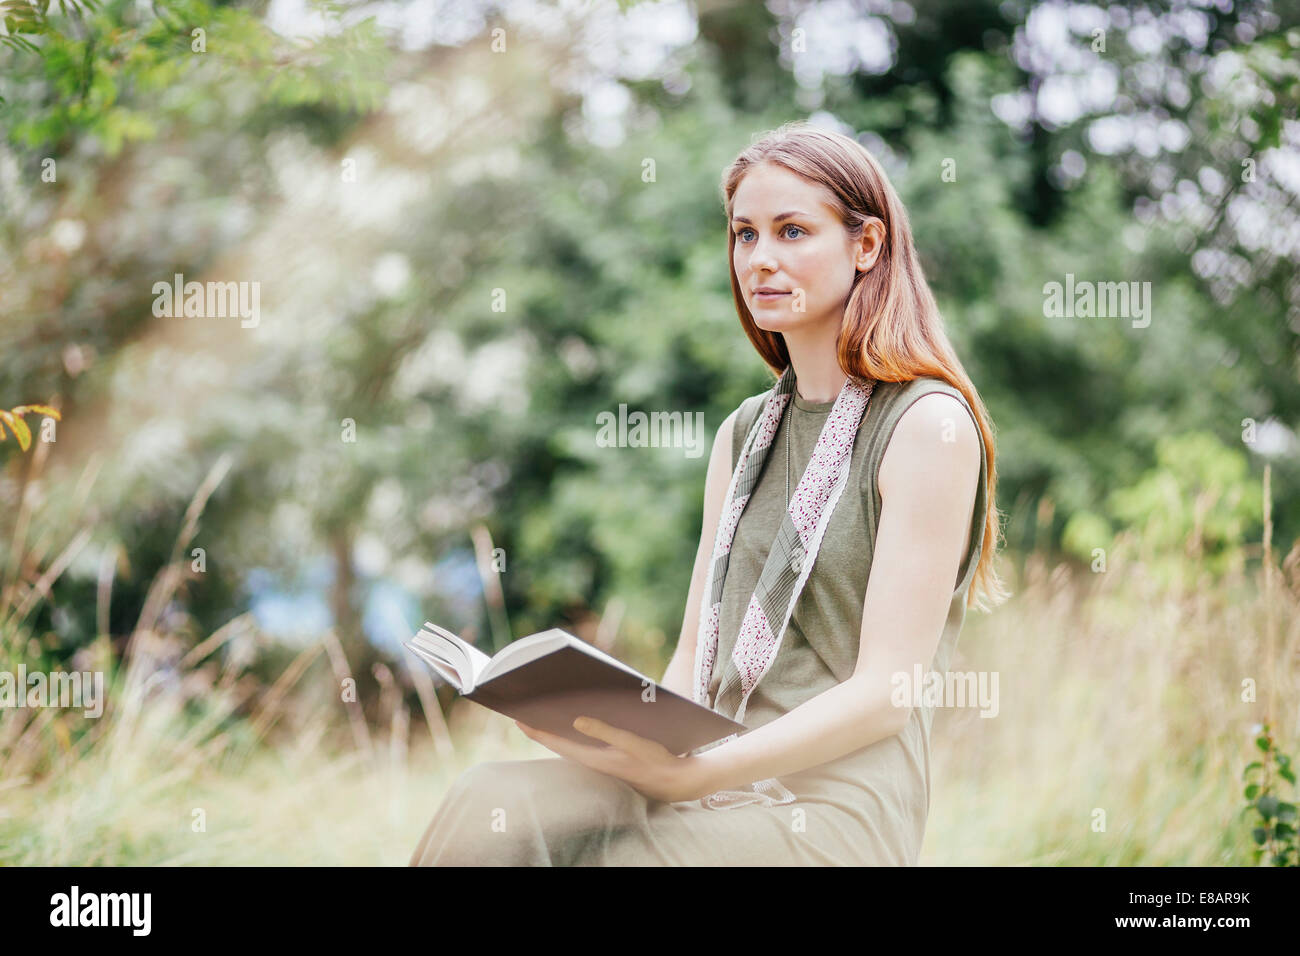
pixel 936 438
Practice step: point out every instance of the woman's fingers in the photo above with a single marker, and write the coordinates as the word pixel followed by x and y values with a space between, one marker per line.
pixel 591 756
pixel 637 761
pixel 616 736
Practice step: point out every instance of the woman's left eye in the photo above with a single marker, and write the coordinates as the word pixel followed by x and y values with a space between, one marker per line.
pixel 740 233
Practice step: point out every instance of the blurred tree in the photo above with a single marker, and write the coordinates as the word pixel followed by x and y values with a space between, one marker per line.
pixel 508 261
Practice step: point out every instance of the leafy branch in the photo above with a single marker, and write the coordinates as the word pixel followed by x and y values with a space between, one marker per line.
pixel 24 18
pixel 103 75
pixel 20 19
pixel 14 419
pixel 1276 835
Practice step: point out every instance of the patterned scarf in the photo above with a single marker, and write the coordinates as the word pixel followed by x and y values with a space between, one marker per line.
pixel 788 564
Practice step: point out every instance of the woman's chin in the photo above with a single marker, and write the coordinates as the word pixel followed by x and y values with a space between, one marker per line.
pixel 779 322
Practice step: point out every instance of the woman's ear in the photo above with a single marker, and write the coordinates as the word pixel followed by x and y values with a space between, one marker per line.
pixel 870 245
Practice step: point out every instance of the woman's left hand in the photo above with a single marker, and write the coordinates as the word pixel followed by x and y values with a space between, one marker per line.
pixel 645 765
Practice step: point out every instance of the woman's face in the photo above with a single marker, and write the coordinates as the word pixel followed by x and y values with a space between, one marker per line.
pixel 807 257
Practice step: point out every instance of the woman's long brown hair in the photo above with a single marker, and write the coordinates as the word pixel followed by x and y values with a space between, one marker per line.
pixel 892 330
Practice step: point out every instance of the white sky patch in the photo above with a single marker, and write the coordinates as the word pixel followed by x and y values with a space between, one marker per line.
pixel 370 555
pixel 1045 44
pixel 1192 24
pixel 1145 38
pixel 1109 135
pixel 390 274
pixel 840 39
pixel 1273 439
pixel 1058 101
pixel 416 24
pixel 1084 19
pixel 1014 109
pixel 492 376
pixel 645 42
pixel 68 234
pixel 1174 135
pixel 605 103
pixel 640 44
pixel 827 120
pixel 1099 85
pixel 1251 222
pixel 434 362
pixel 1211 180
pixel 1073 164
pixel 1284 164
pixel 422 113
pixel 297 19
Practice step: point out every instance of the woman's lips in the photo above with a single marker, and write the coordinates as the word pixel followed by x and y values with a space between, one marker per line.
pixel 769 296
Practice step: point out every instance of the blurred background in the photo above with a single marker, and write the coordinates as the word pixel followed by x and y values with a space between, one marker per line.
pixel 464 231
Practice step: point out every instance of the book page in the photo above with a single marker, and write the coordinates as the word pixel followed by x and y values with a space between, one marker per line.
pixel 538 645
pixel 442 668
pixel 520 652
pixel 475 661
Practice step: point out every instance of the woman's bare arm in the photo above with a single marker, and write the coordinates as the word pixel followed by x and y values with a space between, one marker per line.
pixel 679 676
pixel 928 484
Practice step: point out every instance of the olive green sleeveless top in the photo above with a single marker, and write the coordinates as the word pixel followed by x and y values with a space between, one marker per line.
pixel 886 785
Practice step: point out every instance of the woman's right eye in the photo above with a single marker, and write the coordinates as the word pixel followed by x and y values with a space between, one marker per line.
pixel 740 233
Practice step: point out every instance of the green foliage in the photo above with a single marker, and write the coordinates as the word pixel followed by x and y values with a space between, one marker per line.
pixel 110 67
pixel 29 18
pixel 13 418
pixel 618 288
pixel 1198 501
pixel 618 293
pixel 1275 832
pixel 1199 487
pixel 1084 533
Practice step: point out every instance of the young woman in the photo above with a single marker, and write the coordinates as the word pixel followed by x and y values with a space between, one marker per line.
pixel 849 521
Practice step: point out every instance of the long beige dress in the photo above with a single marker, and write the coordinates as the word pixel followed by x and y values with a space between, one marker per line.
pixel 868 807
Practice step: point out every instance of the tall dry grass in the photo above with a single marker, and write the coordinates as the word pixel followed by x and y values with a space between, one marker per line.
pixel 1122 731
pixel 196 761
pixel 1118 693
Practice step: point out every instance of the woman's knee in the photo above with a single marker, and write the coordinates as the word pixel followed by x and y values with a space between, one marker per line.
pixel 518 810
pixel 551 777
pixel 468 817
pixel 499 778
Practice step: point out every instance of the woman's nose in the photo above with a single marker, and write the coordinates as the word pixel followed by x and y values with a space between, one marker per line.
pixel 762 257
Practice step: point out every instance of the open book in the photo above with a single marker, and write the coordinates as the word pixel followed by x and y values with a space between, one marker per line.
pixel 549 679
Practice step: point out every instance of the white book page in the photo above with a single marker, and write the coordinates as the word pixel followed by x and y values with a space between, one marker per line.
pixel 521 652
pixel 539 645
pixel 440 667
pixel 443 651
pixel 448 645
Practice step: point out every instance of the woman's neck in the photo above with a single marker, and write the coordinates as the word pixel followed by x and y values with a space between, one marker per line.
pixel 818 376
